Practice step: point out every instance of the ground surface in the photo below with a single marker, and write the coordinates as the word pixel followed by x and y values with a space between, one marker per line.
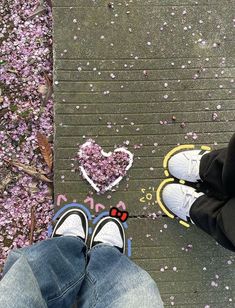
pixel 26 109
pixel 148 75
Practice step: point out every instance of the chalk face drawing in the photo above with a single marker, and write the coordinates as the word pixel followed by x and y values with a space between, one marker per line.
pixel 94 206
pixel 122 205
pixel 98 207
pixel 61 198
pixel 148 196
pixel 103 170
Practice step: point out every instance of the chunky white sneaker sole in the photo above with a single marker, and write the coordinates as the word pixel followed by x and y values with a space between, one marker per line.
pixel 185 165
pixel 179 198
pixel 114 235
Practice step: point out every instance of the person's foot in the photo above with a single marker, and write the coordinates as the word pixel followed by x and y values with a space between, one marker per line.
pixel 73 222
pixel 185 165
pixel 179 198
pixel 109 231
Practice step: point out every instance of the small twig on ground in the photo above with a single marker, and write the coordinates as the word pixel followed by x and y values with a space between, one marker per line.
pixel 6 177
pixel 32 224
pixel 3 111
pixel 49 3
pixel 49 88
pixel 38 174
pixel 40 10
pixel 12 71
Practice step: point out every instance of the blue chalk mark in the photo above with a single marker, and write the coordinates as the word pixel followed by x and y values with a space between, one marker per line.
pixel 129 242
pixel 49 231
pixel 125 225
pixel 73 205
pixel 101 215
pixel 90 230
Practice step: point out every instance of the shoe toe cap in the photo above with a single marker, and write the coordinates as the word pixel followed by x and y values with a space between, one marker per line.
pixel 170 195
pixel 177 165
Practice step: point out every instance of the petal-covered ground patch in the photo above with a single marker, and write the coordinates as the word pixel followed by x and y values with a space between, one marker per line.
pixel 25 111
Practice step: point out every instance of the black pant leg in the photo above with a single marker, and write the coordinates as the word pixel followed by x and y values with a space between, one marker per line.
pixel 211 170
pixel 217 171
pixel 228 174
pixel 217 218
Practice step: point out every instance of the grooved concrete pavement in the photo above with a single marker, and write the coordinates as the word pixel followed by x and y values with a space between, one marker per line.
pixel 120 75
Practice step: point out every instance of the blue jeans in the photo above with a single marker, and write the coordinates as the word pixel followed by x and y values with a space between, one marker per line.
pixel 59 272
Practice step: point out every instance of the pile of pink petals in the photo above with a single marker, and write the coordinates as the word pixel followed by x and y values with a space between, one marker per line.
pixel 25 60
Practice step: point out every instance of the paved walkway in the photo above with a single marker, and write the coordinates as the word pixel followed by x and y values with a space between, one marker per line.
pixel 149 74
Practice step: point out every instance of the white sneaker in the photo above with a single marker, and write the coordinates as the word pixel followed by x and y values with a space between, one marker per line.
pixel 185 165
pixel 179 198
pixel 72 222
pixel 109 231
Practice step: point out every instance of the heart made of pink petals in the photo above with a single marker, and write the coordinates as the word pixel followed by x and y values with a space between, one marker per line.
pixel 103 170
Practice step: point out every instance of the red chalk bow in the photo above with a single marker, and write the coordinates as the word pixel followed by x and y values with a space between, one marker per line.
pixel 121 215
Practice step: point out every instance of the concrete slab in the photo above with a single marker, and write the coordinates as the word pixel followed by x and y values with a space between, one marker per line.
pixel 186 263
pixel 120 75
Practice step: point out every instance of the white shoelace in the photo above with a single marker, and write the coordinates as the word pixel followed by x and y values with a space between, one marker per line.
pixel 193 165
pixel 189 199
